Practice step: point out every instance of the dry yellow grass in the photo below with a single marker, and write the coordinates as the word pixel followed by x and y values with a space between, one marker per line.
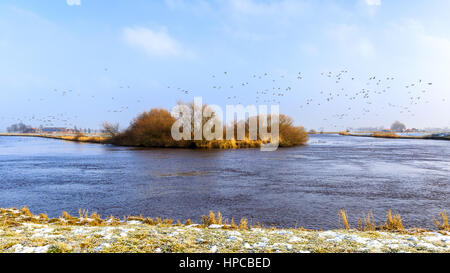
pixel 444 225
pixel 26 211
pixel 343 216
pixel 135 237
pixel 394 222
pixel 233 224
pixel 76 138
pixel 243 224
pixel 43 216
pixel 367 222
pixel 385 134
pixel 81 139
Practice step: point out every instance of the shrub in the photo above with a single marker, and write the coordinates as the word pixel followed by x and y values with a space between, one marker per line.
pixel 150 129
pixel 291 135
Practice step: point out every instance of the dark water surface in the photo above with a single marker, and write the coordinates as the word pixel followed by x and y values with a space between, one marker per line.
pixel 305 186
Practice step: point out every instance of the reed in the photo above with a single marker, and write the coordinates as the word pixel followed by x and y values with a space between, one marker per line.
pixel 343 216
pixel 444 224
pixel 394 222
pixel 233 224
pixel 243 224
pixel 14 217
pixel 367 222
pixel 385 134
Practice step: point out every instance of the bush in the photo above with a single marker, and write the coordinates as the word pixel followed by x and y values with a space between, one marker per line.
pixel 150 129
pixel 291 135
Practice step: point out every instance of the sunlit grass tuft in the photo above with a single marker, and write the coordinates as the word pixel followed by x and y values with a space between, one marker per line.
pixel 343 216
pixel 394 222
pixel 385 134
pixel 243 224
pixel 14 217
pixel 367 223
pixel 444 224
pixel 26 211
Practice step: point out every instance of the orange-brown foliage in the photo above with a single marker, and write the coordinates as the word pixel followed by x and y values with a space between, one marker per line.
pixel 149 129
pixel 385 134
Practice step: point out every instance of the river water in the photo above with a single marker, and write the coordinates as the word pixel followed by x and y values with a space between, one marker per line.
pixel 302 186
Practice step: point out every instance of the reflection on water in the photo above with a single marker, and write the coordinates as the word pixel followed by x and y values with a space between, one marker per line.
pixel 305 185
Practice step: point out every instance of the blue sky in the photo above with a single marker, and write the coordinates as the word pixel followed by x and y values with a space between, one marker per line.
pixel 70 62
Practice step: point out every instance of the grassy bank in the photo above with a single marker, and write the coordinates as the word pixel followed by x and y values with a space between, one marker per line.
pixel 393 136
pixel 21 231
pixel 76 138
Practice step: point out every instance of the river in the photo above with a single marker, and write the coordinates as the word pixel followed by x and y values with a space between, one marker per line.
pixel 303 186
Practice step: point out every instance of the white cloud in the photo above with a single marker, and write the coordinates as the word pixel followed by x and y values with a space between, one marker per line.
pixel 153 43
pixel 373 2
pixel 73 2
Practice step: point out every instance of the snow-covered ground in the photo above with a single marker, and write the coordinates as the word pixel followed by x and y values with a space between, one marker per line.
pixel 22 233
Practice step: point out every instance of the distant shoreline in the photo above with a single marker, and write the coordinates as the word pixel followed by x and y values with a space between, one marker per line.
pixel 74 138
pixel 395 136
pixel 105 140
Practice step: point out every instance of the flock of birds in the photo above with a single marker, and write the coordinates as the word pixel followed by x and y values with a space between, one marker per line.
pixel 374 92
pixel 341 91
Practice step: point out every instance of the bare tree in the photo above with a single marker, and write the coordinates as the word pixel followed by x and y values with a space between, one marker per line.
pixel 111 130
pixel 398 127
pixel 18 128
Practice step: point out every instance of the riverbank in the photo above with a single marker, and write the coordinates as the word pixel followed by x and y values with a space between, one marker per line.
pixel 214 144
pixel 75 138
pixel 21 231
pixel 395 136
